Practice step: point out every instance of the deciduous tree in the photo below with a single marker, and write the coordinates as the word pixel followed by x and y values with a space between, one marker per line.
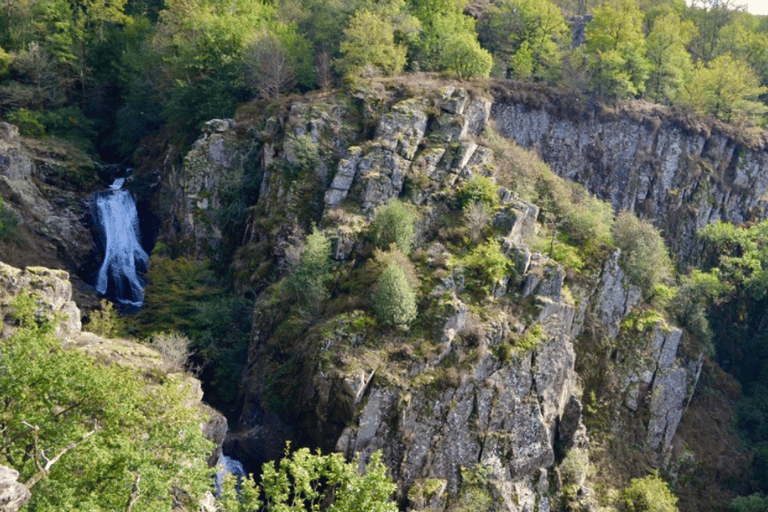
pixel 615 50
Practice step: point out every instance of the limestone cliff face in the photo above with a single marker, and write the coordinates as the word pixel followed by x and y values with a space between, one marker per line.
pixel 491 387
pixel 680 174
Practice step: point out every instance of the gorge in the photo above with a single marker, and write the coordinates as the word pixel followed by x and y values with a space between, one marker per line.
pixel 556 381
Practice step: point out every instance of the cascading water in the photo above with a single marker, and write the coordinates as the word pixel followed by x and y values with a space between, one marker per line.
pixel 124 258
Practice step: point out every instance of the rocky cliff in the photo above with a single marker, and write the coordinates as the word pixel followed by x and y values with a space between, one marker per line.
pixel 672 168
pixel 480 401
pixel 46 186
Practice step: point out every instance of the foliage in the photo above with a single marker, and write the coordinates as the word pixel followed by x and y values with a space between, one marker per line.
pixel 395 223
pixel 70 426
pixel 671 65
pixel 464 56
pixel 486 265
pixel 175 348
pixel 615 50
pixel 304 481
pixel 369 47
pixel 753 503
pixel 394 301
pixel 585 220
pixel 478 189
pixel 393 256
pixel 726 88
pixel 649 494
pixel 694 295
pixel 532 337
pixel 475 493
pixel 104 321
pixel 310 266
pixel 174 286
pixel 28 122
pixel 184 296
pixel 525 37
pixel 644 258
pixel 276 60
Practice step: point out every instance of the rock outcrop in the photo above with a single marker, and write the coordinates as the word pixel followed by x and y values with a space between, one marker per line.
pixel 488 399
pixel 678 173
pixel 13 495
pixel 45 188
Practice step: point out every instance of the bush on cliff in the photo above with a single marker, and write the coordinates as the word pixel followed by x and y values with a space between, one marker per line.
pixel 394 301
pixel 310 266
pixel 395 223
pixel 644 258
pixel 649 494
pixel 305 481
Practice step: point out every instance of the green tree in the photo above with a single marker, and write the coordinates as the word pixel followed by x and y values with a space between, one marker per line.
pixel 525 37
pixel 726 88
pixel 91 435
pixel 395 223
pixel 744 39
pixel 671 65
pixel 649 494
pixel 644 256
pixel 310 266
pixel 304 481
pixel 464 56
pixel 710 18
pixel 369 47
pixel 201 42
pixel 615 50
pixel 393 299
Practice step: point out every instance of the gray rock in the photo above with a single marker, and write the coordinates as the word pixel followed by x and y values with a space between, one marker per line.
pixel 670 387
pixel 645 160
pixel 13 495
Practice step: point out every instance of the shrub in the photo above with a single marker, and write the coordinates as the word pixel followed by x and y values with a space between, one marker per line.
pixel 383 259
pixel 464 56
pixel 393 300
pixel 644 259
pixel 395 223
pixel 486 264
pixel 311 268
pixel 476 218
pixel 574 466
pixel 690 303
pixel 104 321
pixel 29 122
pixel 480 189
pixel 174 347
pixel 303 481
pixel 752 503
pixel 649 494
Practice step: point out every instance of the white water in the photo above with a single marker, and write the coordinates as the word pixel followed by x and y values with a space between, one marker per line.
pixel 123 254
pixel 227 466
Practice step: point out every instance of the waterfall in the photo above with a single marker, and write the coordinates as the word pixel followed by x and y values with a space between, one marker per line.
pixel 227 466
pixel 124 258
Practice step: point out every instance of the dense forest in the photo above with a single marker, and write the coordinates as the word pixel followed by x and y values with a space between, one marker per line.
pixel 108 74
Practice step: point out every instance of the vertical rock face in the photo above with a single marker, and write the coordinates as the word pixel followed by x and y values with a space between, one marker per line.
pixel 501 393
pixel 191 197
pixel 679 175
pixel 45 187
